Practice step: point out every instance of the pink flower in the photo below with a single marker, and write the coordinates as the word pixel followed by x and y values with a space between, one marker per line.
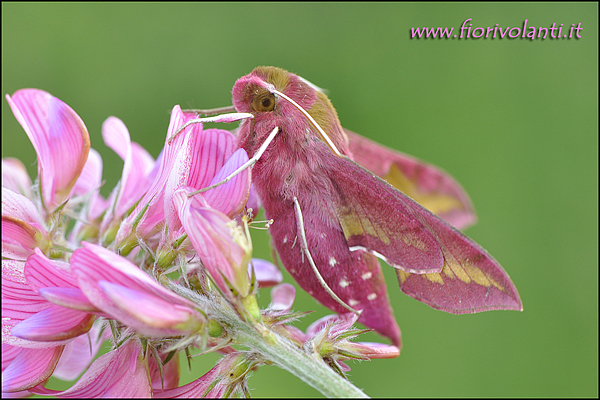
pixel 33 327
pixel 219 241
pixel 87 227
pixel 33 320
pixel 79 353
pixel 134 181
pixel 330 338
pixel 59 138
pixel 22 226
pixel 227 378
pixel 282 297
pixel 122 372
pixel 14 177
pixel 196 159
pixel 165 376
pixel 122 291
pixel 267 274
pixel 28 367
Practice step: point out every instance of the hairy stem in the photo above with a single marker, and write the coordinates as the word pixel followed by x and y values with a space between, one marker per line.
pixel 276 348
pixel 311 370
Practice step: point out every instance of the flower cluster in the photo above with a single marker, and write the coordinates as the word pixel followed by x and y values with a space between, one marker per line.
pixel 154 269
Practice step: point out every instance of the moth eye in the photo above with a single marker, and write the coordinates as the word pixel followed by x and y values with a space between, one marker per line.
pixel 263 102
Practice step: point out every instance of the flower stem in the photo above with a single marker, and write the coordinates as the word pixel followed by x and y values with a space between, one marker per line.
pixel 277 349
pixel 311 370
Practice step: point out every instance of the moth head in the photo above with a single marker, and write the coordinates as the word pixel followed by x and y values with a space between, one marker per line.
pixel 258 91
pixel 273 90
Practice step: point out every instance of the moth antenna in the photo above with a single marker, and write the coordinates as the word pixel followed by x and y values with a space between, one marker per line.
pixel 231 117
pixel 247 164
pixel 305 250
pixel 210 111
pixel 312 121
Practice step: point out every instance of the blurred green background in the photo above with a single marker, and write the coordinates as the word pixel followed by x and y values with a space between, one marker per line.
pixel 515 121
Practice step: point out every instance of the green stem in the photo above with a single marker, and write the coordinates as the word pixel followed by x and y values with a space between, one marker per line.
pixel 312 371
pixel 285 355
pixel 277 349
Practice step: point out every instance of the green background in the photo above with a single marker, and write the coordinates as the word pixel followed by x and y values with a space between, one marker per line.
pixel 515 121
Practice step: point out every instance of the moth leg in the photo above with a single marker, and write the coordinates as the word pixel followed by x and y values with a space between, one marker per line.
pixel 275 256
pixel 294 244
pixel 247 164
pixel 306 251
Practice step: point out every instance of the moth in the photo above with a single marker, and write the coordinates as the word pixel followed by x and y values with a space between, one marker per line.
pixel 332 217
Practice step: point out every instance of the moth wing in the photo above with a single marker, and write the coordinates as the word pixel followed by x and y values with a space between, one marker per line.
pixel 470 281
pixel 427 184
pixel 377 218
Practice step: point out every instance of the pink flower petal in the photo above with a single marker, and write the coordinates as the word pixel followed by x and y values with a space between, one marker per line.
pixel 78 355
pixel 231 197
pixel 9 353
pixel 214 383
pixel 373 350
pixel 30 368
pixel 94 263
pixel 343 366
pixel 59 138
pixel 15 288
pixel 202 154
pixel 338 323
pixel 122 372
pixel 210 232
pixel 267 274
pixel 42 272
pixel 282 297
pixel 20 238
pixel 210 150
pixel 91 174
pixel 152 203
pixel 18 206
pixel 15 176
pixel 148 314
pixel 8 324
pixel 19 301
pixel 138 163
pixel 22 302
pixel 116 136
pixel 89 182
pixel 55 323
pixel 296 334
pixel 169 379
pixel 69 297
